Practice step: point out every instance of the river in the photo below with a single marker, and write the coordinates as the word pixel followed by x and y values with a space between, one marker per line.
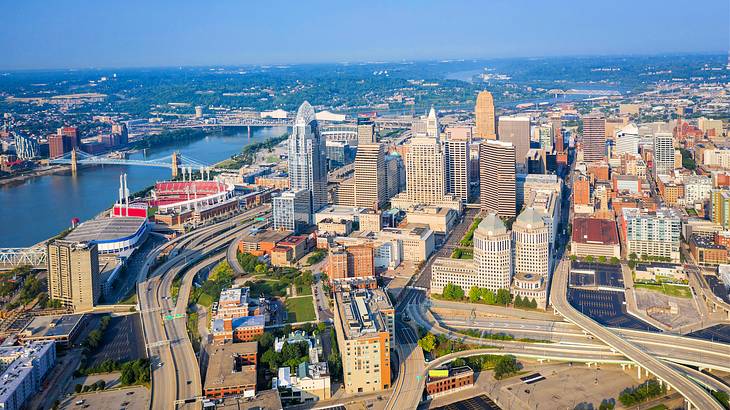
pixel 40 207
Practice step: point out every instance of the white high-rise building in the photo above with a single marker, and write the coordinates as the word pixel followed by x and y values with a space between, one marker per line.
pixel 457 168
pixel 292 210
pixel 493 253
pixel 308 157
pixel 627 141
pixel 531 243
pixel 433 129
pixel 663 153
pixel 425 171
pixel 491 267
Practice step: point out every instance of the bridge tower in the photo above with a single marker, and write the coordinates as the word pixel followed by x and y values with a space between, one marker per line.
pixel 175 164
pixel 74 162
pixel 249 131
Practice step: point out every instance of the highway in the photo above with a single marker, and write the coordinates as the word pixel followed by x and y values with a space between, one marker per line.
pixel 695 395
pixel 167 343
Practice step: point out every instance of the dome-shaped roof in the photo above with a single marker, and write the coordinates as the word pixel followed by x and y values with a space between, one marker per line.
pixel 305 114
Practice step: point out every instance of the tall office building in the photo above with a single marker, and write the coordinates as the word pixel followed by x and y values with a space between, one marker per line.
pixel 457 168
pixel 364 324
pixel 498 177
pixel 491 267
pixel 365 131
pixel 663 153
pixel 73 274
pixel 370 179
pixel 71 133
pixel 531 238
pixel 516 130
pixel 484 116
pixel 292 210
pixel 58 145
pixel 433 128
pixel 26 148
pixel 425 170
pixel 395 175
pixel 308 157
pixel 594 138
pixel 557 125
pixel 493 253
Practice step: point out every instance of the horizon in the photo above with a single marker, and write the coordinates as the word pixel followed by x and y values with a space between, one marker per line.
pixel 284 65
pixel 81 34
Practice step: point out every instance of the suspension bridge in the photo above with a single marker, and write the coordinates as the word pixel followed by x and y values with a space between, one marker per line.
pixel 174 161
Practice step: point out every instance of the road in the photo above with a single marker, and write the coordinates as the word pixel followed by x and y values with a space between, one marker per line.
pixel 693 393
pixel 168 346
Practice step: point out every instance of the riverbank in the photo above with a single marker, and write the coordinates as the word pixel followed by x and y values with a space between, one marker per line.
pixel 38 172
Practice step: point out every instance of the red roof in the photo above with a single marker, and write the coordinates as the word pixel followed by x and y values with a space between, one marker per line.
pixel 595 231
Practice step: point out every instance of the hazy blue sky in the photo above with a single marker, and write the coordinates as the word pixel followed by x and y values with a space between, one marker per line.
pixel 77 33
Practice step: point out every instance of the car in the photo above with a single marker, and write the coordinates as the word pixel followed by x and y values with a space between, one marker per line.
pixel 129 393
pixel 159 364
pixel 189 382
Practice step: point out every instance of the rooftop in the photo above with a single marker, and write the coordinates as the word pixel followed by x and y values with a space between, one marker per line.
pixel 22 360
pixel 52 326
pixel 492 225
pixel 267 236
pixel 595 231
pixel 106 229
pixel 361 312
pixel 223 369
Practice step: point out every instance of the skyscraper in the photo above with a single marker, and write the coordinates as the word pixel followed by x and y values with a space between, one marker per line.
pixel 365 131
pixel 493 253
pixel 531 238
pixel 457 168
pixel 73 274
pixel 425 171
pixel 484 116
pixel 292 210
pixel 663 153
pixel 498 177
pixel 594 138
pixel 517 131
pixel 308 157
pixel 394 174
pixel 433 128
pixel 370 182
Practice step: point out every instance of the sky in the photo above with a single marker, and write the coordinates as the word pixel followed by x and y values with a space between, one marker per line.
pixel 134 33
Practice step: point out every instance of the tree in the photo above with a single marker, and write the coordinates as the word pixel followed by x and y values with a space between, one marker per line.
pixel 589 258
pixel 474 294
pixel 573 258
pixel 615 260
pixel 488 296
pixel 506 365
pixel 427 343
pixel 503 297
pixel 270 357
pixel 78 387
pixel 632 256
pixel 518 301
pixel 533 303
pixel 632 264
pixel 321 327
pixel 607 404
pixel 602 259
pixel 260 269
pixel 265 340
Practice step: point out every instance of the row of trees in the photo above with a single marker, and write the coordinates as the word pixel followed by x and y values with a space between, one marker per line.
pixel 93 340
pixel 99 385
pixel 641 393
pixel 525 302
pixel 503 365
pixel 468 239
pixel 601 259
pixel 488 296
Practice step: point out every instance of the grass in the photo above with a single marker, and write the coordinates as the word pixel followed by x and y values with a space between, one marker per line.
pixel 300 309
pixel 304 290
pixel 205 300
pixel 462 253
pixel 667 289
pixel 131 299
pixel 192 325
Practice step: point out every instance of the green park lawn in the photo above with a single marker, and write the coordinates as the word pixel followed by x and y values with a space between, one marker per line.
pixel 300 309
pixel 667 289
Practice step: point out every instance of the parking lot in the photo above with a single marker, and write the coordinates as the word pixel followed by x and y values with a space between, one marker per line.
pixel 122 341
pixel 606 307
pixel 717 333
pixel 131 398
pixel 606 275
